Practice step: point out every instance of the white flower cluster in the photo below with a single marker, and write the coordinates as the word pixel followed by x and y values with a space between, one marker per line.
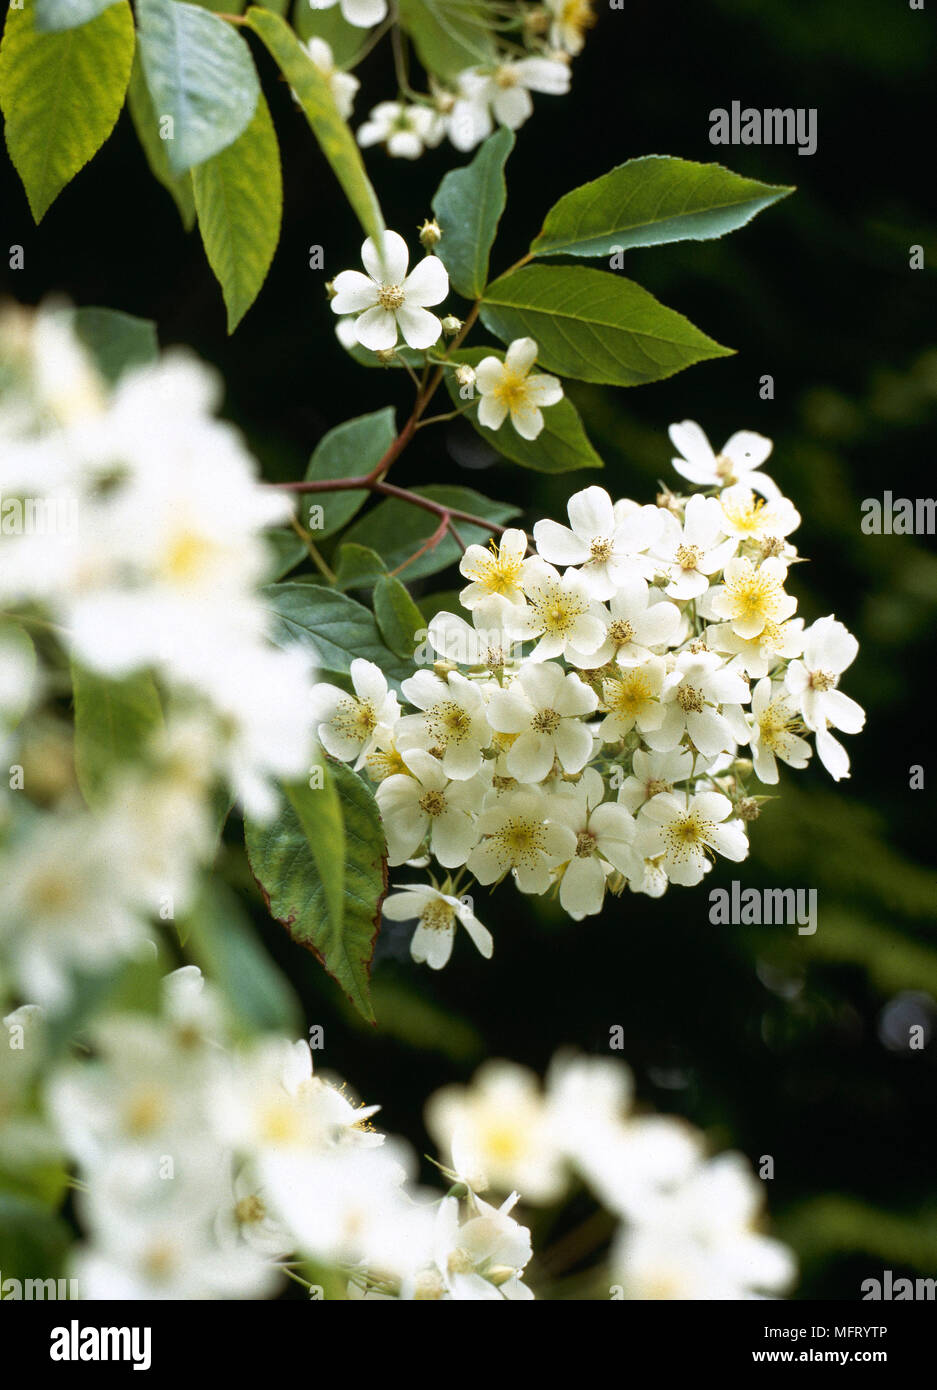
pixel 487 95
pixel 584 731
pixel 688 1223
pixel 131 542
pixel 207 1168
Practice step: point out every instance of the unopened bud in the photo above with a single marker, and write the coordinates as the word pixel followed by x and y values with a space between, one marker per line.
pixel 442 668
pixel 451 326
pixel 330 289
pixel 385 355
pixel 430 235
pixel 464 374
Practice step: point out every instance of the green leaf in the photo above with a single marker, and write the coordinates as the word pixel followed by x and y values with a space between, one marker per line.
pixel 222 942
pixel 343 38
pixel 397 616
pixel 348 451
pixel 315 97
pixel 335 627
pixel 468 206
pixel 54 15
pixel 319 811
pixel 562 444
pixel 283 862
pixel 287 551
pixel 115 340
pixel 201 74
pixel 33 1240
pixel 396 529
pixel 358 567
pixel 649 201
pixel 17 645
pixel 239 198
pixel 146 124
pixel 594 326
pixel 114 720
pixel 61 94
pixel 449 35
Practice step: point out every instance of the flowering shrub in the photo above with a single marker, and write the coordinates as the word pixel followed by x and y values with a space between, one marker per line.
pixel 583 732
pixel 217 690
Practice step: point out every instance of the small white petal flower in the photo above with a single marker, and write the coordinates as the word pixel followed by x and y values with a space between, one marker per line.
pixel 425 803
pixel 694 693
pixel 604 833
pixel 438 914
pixel 387 299
pixel 516 837
pixel 606 546
pixel 352 726
pixel 543 707
pixel 508 388
pixel 569 23
pixel 751 596
pixel 740 460
pixel 454 722
pixel 497 570
pixel 685 831
pixel 343 85
pixel 405 130
pixel 639 621
pixel 691 553
pixel 560 612
pixel 775 719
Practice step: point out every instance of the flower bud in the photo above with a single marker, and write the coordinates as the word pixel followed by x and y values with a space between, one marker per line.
pixel 330 289
pixel 430 235
pixel 464 374
pixel 451 326
pixel 385 355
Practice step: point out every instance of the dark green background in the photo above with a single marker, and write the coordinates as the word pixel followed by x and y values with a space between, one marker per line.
pixel 770 1041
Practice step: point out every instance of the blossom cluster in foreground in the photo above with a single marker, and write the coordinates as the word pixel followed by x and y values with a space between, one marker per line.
pixel 607 711
pixel 211 1169
pixel 132 549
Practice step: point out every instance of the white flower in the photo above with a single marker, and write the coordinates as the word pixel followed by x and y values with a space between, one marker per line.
pixel 405 130
pixel 496 570
pixel 426 802
pixel 487 643
pixel 603 543
pixel 518 838
pixel 508 388
pixel 388 299
pixel 697 549
pixel 753 518
pixel 352 726
pixel 454 721
pixel 498 1133
pixel 438 914
pixel 570 20
pixel 484 1257
pixel 245 1217
pixel 543 707
pixel 343 85
pixel 501 96
pixel 603 838
pixel 561 612
pixel 692 694
pixel 740 460
pixel 636 624
pixel 654 773
pixel 829 648
pixel 361 13
pixel 751 596
pixel 699 1240
pixel 774 721
pixel 633 698
pixel 757 656
pixel 685 830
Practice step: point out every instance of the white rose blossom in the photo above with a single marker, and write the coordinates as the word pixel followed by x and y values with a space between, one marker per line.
pixel 387 300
